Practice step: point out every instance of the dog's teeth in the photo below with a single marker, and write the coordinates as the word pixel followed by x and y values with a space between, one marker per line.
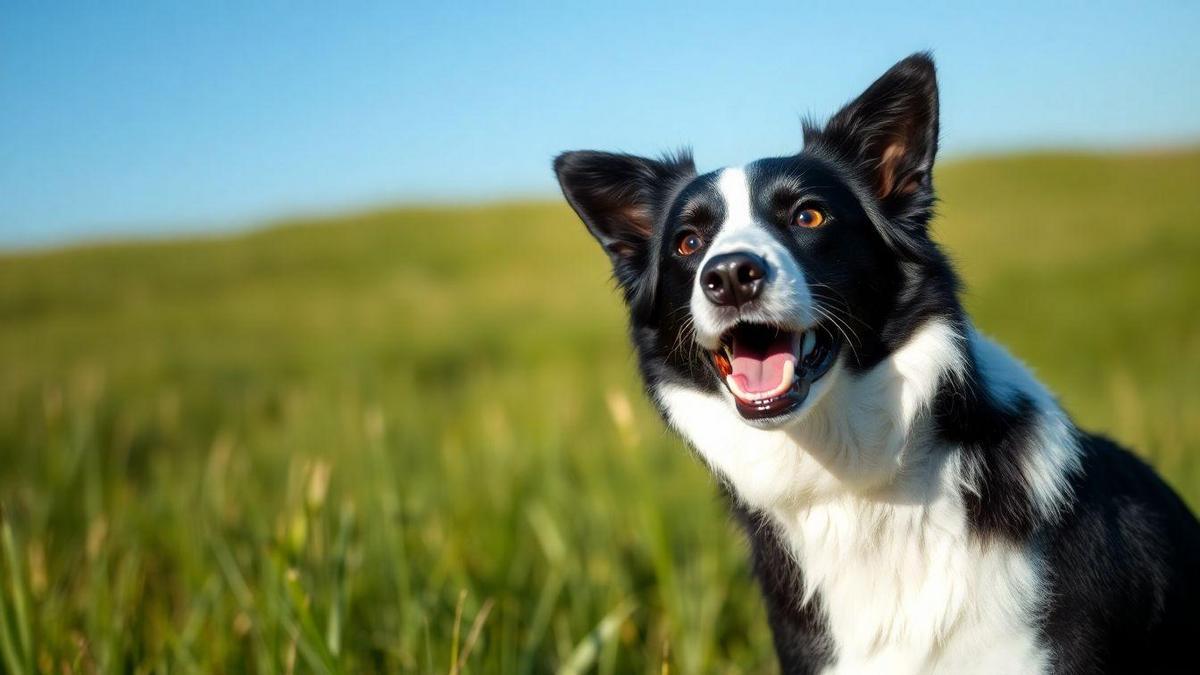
pixel 810 341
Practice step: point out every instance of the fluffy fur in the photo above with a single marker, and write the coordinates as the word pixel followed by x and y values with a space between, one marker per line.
pixel 924 506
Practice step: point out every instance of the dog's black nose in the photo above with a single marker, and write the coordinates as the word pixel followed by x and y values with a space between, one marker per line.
pixel 733 278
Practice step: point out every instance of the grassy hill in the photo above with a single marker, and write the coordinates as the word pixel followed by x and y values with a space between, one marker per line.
pixel 413 439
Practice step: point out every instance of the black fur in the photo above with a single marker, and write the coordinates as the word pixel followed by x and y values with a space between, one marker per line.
pixel 1122 557
pixel 1124 571
pixel 801 637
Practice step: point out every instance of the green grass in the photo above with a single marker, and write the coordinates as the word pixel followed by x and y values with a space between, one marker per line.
pixel 413 440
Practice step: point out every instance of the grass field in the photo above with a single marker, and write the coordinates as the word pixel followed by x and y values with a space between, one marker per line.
pixel 413 440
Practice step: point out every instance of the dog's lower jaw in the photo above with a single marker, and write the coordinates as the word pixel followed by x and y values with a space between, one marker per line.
pixel 851 436
pixel 793 421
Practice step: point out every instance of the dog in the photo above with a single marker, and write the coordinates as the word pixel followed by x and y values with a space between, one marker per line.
pixel 914 499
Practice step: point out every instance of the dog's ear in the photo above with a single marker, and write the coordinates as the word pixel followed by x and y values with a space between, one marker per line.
pixel 889 136
pixel 621 198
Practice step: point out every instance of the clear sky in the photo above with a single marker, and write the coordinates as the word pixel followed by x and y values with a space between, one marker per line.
pixel 159 117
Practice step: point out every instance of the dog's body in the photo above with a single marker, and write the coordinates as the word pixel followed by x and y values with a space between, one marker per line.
pixel 915 500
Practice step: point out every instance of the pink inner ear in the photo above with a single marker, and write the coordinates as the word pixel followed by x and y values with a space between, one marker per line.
pixel 622 249
pixel 909 185
pixel 889 161
pixel 638 219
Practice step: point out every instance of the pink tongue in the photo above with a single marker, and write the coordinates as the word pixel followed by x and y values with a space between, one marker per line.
pixel 756 372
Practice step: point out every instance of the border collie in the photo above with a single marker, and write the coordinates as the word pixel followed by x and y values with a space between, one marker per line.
pixel 914 499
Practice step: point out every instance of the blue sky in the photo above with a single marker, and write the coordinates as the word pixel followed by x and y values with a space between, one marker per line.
pixel 160 117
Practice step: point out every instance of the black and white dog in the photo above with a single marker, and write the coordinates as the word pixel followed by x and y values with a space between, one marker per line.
pixel 916 501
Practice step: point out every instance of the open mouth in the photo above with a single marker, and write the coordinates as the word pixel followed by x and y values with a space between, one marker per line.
pixel 769 369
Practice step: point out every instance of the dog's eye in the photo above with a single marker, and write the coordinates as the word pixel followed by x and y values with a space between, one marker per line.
pixel 689 243
pixel 809 217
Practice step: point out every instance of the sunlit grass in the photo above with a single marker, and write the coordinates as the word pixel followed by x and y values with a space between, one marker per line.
pixel 414 440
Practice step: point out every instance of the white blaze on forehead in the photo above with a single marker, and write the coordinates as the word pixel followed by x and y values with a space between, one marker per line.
pixel 785 299
pixel 734 187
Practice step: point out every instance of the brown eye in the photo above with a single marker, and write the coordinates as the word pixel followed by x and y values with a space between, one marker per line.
pixel 810 218
pixel 689 243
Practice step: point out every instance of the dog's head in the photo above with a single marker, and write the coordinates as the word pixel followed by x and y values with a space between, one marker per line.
pixel 762 280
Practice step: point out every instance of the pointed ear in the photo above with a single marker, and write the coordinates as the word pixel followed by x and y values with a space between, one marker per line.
pixel 620 198
pixel 890 135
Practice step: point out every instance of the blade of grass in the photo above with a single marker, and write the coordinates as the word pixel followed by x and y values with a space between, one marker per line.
pixel 472 636
pixel 339 599
pixel 584 656
pixel 458 612
pixel 22 661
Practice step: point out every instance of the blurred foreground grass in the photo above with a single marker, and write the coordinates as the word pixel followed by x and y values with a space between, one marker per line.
pixel 414 440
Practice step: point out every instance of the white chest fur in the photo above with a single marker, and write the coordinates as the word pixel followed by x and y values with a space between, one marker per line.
pixel 905 590
pixel 874 515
